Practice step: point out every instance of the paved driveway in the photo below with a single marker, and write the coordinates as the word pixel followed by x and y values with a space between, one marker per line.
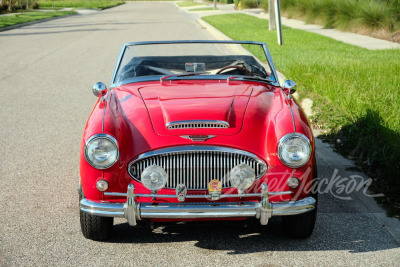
pixel 46 72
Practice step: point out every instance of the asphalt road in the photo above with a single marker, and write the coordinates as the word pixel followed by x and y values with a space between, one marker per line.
pixel 46 74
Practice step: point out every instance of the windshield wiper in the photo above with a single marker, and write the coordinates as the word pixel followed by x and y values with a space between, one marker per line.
pixel 182 75
pixel 251 78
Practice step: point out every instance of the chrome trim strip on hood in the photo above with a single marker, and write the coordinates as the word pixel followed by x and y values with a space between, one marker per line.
pixel 193 124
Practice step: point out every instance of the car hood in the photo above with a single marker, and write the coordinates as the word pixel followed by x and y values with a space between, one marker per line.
pixel 215 102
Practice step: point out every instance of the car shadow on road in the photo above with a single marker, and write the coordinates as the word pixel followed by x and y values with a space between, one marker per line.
pixel 332 232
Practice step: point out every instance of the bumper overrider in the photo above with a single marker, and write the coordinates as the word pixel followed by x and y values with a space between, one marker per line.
pixel 134 211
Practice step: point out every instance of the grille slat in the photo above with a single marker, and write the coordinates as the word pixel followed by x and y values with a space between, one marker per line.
pixel 197 168
pixel 196 124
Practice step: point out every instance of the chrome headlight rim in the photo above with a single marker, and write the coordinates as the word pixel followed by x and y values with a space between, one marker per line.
pixel 282 142
pixel 98 136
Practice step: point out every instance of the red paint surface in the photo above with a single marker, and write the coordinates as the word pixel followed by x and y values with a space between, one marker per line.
pixel 136 115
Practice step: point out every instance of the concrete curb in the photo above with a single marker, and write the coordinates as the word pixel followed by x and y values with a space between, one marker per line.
pixel 212 30
pixel 330 158
pixel 20 25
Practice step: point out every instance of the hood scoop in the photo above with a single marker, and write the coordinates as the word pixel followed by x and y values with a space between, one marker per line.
pixel 197 124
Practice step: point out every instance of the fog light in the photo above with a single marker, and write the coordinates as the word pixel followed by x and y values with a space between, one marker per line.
pixel 293 182
pixel 242 177
pixel 102 185
pixel 154 177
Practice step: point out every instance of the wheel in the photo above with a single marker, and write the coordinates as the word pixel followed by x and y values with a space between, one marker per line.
pixel 302 225
pixel 95 227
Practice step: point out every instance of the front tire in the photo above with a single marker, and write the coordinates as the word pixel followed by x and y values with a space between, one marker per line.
pixel 300 226
pixel 95 227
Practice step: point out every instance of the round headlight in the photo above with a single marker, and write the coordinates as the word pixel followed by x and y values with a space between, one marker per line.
pixel 101 151
pixel 154 177
pixel 294 150
pixel 242 177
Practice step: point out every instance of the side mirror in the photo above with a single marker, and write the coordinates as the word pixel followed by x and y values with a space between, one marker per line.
pixel 289 85
pixel 99 89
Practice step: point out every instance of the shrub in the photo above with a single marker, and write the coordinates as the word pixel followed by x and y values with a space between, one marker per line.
pixel 347 14
pixel 264 4
pixel 35 5
pixel 376 15
pixel 3 7
pixel 249 3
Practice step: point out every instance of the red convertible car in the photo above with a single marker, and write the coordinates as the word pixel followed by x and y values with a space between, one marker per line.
pixel 196 130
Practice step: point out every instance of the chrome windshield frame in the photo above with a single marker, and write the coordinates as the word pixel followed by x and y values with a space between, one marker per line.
pixel 261 44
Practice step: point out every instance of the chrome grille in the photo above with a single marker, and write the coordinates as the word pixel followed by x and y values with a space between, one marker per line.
pixel 197 166
pixel 196 124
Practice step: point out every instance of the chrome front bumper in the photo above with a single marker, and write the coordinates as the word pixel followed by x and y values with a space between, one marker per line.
pixel 133 211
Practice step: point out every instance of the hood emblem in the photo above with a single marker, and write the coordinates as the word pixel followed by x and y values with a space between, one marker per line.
pixel 181 191
pixel 198 138
pixel 214 189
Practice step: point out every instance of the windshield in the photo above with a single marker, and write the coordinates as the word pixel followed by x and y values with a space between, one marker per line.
pixel 191 59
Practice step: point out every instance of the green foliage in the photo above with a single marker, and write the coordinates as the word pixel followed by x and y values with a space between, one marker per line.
pixel 14 5
pixel 355 90
pixel 250 3
pixel 347 14
pixel 264 4
pixel 225 1
pixel 95 4
pixel 30 16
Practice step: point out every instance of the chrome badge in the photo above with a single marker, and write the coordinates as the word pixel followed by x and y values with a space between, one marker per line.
pixel 215 189
pixel 181 192
pixel 198 138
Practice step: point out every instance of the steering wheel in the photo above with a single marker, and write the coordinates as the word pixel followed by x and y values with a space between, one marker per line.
pixel 235 67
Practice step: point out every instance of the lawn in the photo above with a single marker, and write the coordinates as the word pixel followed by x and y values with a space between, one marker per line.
pixel 356 91
pixel 30 16
pixel 188 4
pixel 92 4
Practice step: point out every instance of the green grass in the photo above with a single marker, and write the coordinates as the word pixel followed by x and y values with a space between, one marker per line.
pixel 203 9
pixel 188 3
pixel 30 16
pixel 356 91
pixel 93 4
